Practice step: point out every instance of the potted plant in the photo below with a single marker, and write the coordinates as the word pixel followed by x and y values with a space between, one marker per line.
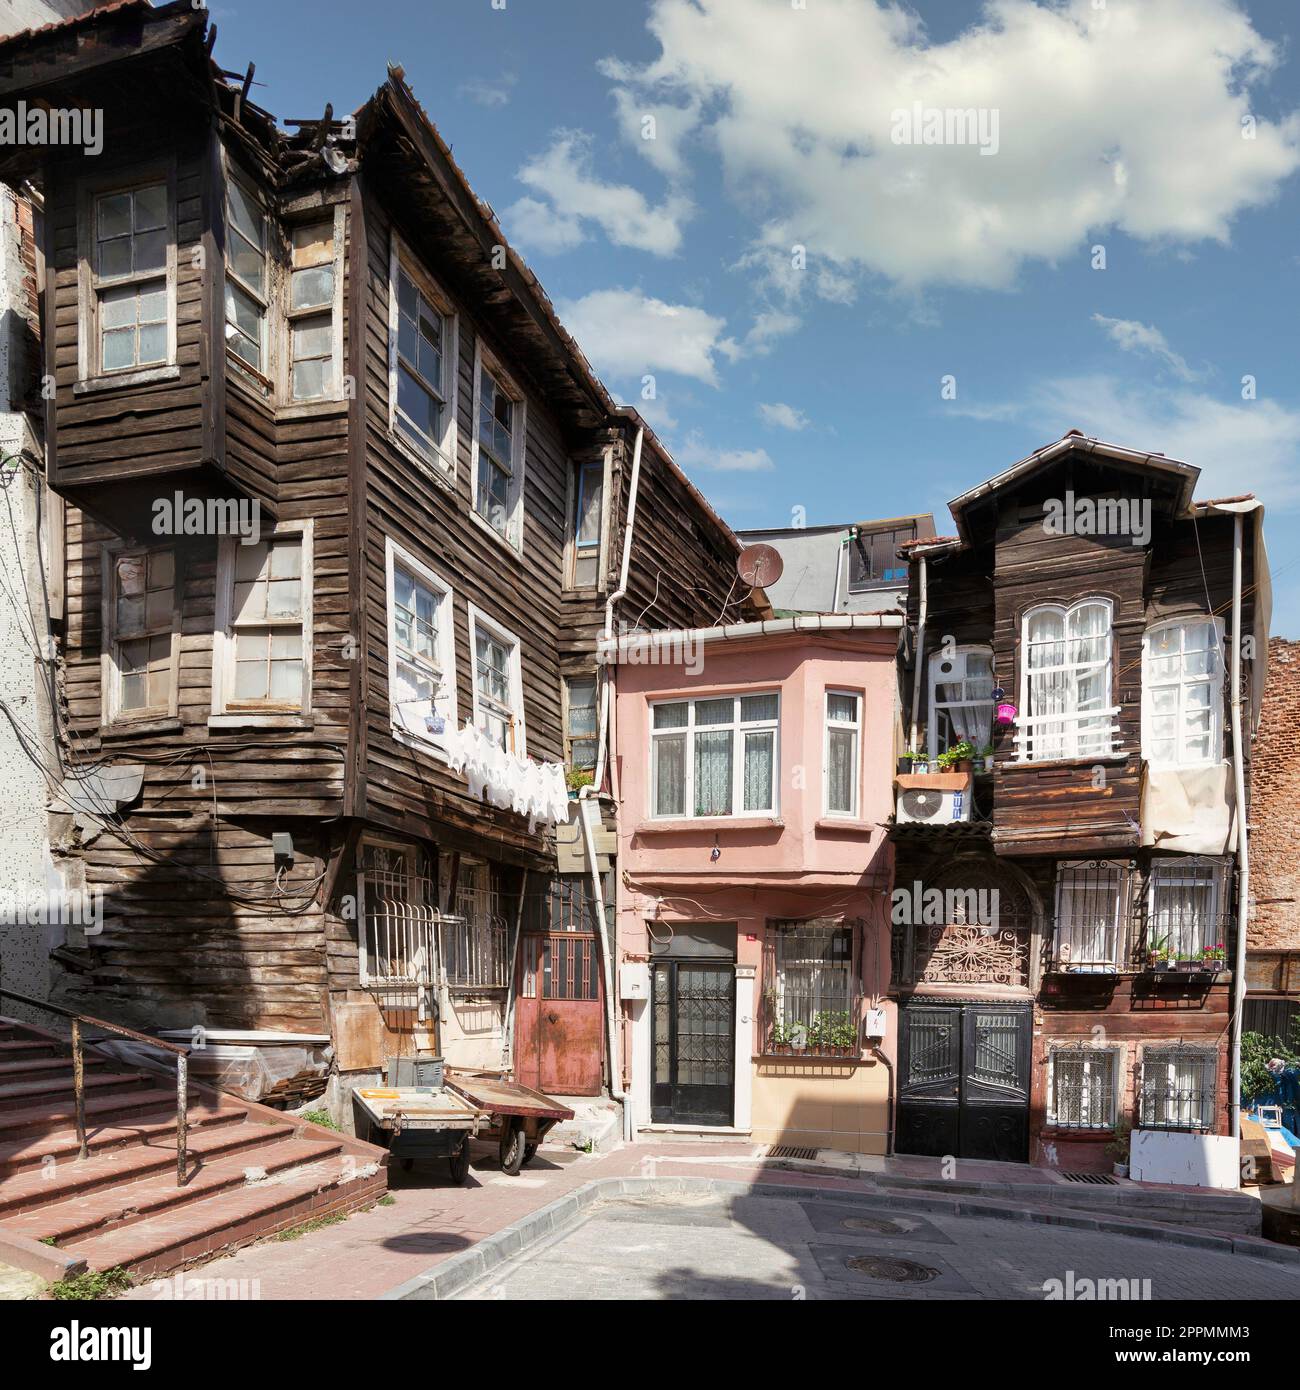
pixel 985 762
pixel 1158 953
pixel 832 1034
pixel 578 777
pixel 1215 957
pixel 780 1038
pixel 916 762
pixel 958 758
pixel 1119 1147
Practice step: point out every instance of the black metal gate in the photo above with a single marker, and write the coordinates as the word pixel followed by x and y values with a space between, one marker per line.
pixel 964 1080
pixel 694 1043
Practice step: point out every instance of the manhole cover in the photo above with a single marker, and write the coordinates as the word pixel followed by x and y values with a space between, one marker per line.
pixel 892 1271
pixel 879 1224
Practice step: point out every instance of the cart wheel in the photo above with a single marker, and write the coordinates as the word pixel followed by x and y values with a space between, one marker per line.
pixel 529 1151
pixel 512 1150
pixel 459 1162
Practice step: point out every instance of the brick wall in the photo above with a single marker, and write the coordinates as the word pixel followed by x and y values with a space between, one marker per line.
pixel 1275 806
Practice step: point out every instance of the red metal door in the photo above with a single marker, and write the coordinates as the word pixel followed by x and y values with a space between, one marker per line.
pixel 559 1031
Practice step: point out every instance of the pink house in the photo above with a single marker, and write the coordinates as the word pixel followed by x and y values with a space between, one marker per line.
pixel 753 773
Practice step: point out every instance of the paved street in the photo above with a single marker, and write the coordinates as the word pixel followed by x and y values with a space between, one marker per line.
pixel 784 1248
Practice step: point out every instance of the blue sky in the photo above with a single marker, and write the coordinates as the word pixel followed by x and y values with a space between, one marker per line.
pixel 810 384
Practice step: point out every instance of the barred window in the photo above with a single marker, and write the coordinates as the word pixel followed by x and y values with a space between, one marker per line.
pixel 1082 1088
pixel 1178 1086
pixel 813 998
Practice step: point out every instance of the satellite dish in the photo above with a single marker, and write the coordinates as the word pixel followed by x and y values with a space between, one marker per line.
pixel 759 565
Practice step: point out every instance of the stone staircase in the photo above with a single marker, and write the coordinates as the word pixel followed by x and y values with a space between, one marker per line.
pixel 250 1171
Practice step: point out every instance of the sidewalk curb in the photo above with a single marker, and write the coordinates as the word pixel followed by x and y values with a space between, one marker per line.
pixel 459 1271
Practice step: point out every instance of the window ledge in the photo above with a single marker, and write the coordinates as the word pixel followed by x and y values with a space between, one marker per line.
pixel 111 380
pixel 129 728
pixel 847 825
pixel 677 825
pixel 260 721
pixel 427 466
pixel 1119 756
pixel 507 545
pixel 308 410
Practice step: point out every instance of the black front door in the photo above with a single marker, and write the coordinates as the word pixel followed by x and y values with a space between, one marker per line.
pixel 693 1043
pixel 964 1080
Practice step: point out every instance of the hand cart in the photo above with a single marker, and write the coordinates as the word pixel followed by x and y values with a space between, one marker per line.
pixel 422 1122
pixel 517 1117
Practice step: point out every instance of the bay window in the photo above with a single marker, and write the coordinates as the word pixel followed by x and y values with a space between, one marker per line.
pixel 715 756
pixel 421 649
pixel 498 450
pixel 586 526
pixel 131 287
pixel 315 345
pixel 1066 708
pixel 247 292
pixel 141 624
pixel 841 755
pixel 1182 693
pixel 961 698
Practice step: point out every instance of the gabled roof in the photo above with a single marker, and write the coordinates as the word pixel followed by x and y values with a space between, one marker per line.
pixel 1182 475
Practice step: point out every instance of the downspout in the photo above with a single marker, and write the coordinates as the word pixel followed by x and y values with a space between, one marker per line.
pixel 841 559
pixel 918 656
pixel 585 805
pixel 878 1052
pixel 1243 855
pixel 508 1039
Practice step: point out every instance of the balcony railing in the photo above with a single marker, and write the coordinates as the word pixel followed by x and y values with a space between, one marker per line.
pixel 1081 734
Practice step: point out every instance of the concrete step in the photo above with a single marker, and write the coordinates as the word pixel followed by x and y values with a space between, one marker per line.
pixel 201 1229
pixel 30 1189
pixel 60 1113
pixel 26 1047
pixel 150 1197
pixel 17 1095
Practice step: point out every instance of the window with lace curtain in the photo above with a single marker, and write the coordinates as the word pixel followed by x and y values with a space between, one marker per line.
pixel 1183 907
pixel 1066 709
pixel 714 757
pixel 1178 1086
pixel 961 698
pixel 841 757
pixel 1182 693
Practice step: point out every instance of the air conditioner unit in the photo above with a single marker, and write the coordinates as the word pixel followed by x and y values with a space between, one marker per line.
pixel 953 668
pixel 928 806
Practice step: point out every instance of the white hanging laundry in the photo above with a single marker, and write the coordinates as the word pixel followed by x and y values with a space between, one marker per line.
pixel 504 780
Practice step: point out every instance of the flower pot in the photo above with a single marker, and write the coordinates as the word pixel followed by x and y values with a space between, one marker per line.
pixel 921 766
pixel 904 766
pixel 963 765
pixel 1006 714
pixel 1119 1169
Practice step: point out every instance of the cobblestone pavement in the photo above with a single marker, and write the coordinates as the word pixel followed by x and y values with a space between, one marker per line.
pixel 782 1248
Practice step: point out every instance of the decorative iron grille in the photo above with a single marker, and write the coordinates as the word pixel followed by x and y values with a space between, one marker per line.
pixel 1083 1094
pixel 1091 924
pixel 811 993
pixel 398 939
pixel 1178 1088
pixel 474 940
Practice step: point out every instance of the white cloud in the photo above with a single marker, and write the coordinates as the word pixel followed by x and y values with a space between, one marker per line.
pixel 1124 118
pixel 1238 445
pixel 1132 336
pixel 627 333
pixel 782 416
pixel 656 131
pixel 489 93
pixel 540 227
pixel 695 453
pixel 575 195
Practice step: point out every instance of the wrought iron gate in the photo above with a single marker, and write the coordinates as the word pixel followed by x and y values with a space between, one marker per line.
pixel 693 1044
pixel 964 1080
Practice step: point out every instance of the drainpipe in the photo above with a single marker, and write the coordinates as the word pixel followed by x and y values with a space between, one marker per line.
pixel 1243 855
pixel 879 1054
pixel 919 655
pixel 841 559
pixel 586 804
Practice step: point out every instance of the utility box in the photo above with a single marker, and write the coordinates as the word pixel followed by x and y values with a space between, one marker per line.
pixel 875 1023
pixel 634 980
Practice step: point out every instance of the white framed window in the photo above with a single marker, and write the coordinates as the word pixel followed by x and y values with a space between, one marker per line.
pixel 1065 702
pixel 141 623
pixel 497 452
pixel 841 753
pixel 313 310
pixel 262 649
pixel 587 526
pixel 1182 693
pixel 497 682
pixel 961 698
pixel 128 278
pixel 580 723
pixel 422 353
pixel 1091 908
pixel 1179 1085
pixel 716 756
pixel 421 648
pixel 247 275
pixel 1083 1087
pixel 1183 912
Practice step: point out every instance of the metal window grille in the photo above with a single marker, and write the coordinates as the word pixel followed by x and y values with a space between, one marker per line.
pixel 1083 1088
pixel 1090 932
pixel 1178 1086
pixel 1188 909
pixel 812 988
pixel 474 940
pixel 398 941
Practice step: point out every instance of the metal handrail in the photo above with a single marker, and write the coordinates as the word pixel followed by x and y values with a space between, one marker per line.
pixel 182 1055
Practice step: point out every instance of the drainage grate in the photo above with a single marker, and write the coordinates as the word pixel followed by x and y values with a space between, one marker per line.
pixel 1097 1179
pixel 787 1151
pixel 892 1271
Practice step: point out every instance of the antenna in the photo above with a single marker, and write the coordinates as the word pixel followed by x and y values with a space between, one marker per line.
pixel 759 565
